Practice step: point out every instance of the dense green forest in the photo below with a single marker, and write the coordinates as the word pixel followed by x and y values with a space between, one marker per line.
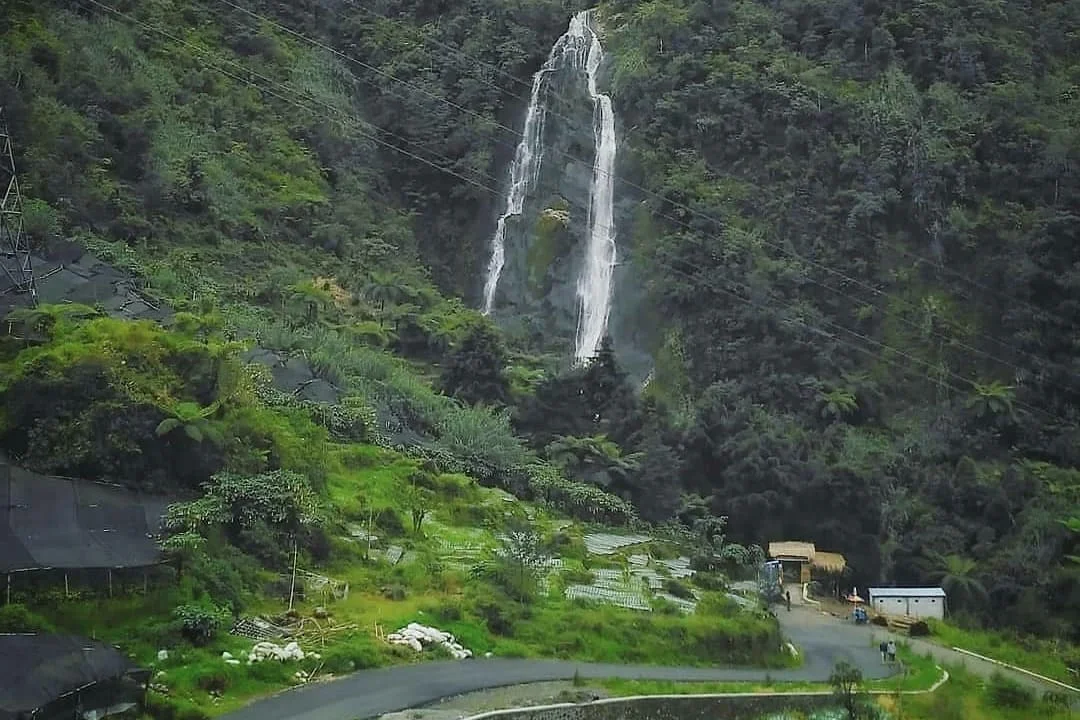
pixel 864 216
pixel 858 220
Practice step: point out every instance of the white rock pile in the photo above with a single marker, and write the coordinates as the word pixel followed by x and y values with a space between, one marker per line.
pixel 270 651
pixel 418 636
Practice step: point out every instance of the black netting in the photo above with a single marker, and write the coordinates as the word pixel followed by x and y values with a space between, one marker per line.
pixel 52 522
pixel 53 672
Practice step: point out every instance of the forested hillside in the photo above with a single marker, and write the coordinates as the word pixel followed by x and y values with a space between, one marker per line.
pixel 858 225
pixel 864 219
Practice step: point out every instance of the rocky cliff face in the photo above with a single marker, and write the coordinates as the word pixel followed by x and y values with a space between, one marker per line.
pixel 537 297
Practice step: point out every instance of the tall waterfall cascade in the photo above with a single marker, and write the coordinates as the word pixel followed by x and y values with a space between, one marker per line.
pixel 594 286
pixel 579 49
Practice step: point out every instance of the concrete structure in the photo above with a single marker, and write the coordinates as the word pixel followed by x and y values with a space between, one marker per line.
pixel 924 602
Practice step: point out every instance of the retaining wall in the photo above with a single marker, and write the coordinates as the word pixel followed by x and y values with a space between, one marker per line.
pixel 671 707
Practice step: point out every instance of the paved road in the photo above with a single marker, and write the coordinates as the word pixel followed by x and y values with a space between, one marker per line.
pixel 949 657
pixel 370 693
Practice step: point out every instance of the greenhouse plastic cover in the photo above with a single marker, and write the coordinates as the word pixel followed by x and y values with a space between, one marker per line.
pixel 48 522
pixel 38 669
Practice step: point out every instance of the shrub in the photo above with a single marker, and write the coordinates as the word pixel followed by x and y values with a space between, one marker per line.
pixel 500 614
pixel 1056 700
pixel 580 500
pixel 200 623
pixel 879 620
pixel 395 592
pixel 919 628
pixel 473 515
pixel 389 522
pixel 358 653
pixel 714 604
pixel 317 543
pixel 16 618
pixel 579 576
pixel 678 588
pixel 222 572
pixel 163 708
pixel 261 541
pixel 214 682
pixel 454 486
pixel 447 611
pixel 710 581
pixel 663 606
pixel 1008 693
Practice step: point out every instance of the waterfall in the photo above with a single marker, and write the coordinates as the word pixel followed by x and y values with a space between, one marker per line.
pixel 594 286
pixel 525 168
pixel 578 49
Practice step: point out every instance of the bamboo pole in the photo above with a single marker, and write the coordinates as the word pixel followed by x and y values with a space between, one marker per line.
pixel 292 586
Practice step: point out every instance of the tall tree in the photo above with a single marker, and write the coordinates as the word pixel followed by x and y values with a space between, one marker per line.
pixel 473 371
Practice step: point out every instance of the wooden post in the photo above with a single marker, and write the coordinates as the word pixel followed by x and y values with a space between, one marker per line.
pixel 145 583
pixel 66 592
pixel 292 586
pixel 109 571
pixel 7 598
pixel 370 522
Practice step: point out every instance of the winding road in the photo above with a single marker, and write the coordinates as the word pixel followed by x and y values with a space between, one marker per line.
pixel 370 693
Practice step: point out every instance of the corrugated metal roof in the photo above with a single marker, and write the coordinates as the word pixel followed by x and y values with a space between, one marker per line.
pixel 906 592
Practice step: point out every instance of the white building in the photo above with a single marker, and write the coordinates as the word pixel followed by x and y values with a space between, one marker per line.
pixel 925 602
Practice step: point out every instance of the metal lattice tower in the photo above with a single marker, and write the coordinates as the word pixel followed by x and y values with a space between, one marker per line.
pixel 14 243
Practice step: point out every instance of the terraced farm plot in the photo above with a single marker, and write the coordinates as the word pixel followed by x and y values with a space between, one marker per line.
pixel 613 587
pixel 608 544
pixel 679 567
pixel 619 598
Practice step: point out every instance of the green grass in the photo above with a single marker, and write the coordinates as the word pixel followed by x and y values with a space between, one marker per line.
pixel 922 674
pixel 141 625
pixel 364 474
pixel 965 697
pixel 1046 657
pixel 425 589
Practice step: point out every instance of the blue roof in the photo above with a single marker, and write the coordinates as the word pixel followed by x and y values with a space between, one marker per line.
pixel 906 592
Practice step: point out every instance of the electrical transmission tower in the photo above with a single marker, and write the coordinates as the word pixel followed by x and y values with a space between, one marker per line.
pixel 14 243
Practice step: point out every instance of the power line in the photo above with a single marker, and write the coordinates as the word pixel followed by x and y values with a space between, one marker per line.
pixel 885 347
pixel 348 117
pixel 479 61
pixel 474 60
pixel 1019 371
pixel 668 266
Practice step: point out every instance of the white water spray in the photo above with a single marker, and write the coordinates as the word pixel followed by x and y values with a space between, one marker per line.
pixel 578 48
pixel 594 285
pixel 528 157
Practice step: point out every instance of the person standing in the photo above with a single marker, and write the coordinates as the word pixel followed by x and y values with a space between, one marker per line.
pixel 883 647
pixel 892 651
pixel 787 596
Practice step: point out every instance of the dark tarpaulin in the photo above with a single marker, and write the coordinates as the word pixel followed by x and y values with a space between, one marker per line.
pixel 48 522
pixel 36 670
